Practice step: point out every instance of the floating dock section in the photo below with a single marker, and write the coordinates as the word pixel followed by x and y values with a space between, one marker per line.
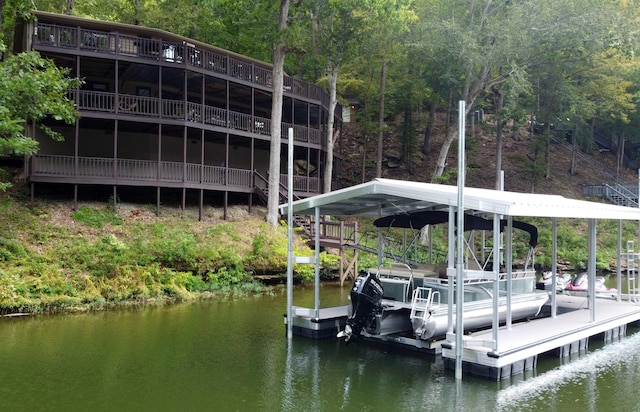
pixel 518 346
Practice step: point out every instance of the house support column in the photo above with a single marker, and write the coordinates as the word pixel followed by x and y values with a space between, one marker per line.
pixel 200 206
pixel 158 201
pixel 184 200
pixel 226 203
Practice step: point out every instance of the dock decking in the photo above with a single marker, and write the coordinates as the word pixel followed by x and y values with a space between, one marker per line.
pixel 519 346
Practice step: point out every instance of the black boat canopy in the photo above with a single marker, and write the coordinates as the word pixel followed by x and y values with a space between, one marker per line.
pixel 417 220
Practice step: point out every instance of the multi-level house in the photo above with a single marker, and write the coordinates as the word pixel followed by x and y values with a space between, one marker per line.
pixel 169 116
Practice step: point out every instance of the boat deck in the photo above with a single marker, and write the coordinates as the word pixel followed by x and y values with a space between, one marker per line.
pixel 518 346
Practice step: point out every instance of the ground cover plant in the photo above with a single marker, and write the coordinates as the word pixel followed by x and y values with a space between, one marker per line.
pixel 53 258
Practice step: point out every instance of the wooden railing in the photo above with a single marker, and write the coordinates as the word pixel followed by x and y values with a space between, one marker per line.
pixel 97 168
pixel 128 104
pixel 140 170
pixel 107 42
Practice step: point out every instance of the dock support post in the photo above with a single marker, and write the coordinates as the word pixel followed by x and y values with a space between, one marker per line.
pixel 554 264
pixel 460 240
pixel 290 237
pixel 591 268
pixel 317 258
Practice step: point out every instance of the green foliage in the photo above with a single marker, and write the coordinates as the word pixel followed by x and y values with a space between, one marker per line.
pixel 32 89
pixel 10 249
pixel 448 175
pixel 97 218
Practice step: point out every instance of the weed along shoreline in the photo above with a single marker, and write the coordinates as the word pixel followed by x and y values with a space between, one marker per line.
pixel 55 260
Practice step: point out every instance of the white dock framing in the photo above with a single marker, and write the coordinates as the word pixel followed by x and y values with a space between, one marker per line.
pixel 504 350
pixel 520 345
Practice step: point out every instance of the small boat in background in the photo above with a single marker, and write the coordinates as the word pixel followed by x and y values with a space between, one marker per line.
pixel 579 286
pixel 562 281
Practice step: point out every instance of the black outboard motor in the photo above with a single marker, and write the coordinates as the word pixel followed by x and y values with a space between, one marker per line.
pixel 366 296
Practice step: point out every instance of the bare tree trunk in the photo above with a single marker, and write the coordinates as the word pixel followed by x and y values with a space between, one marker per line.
pixel 499 125
pixel 383 79
pixel 137 13
pixel 574 152
pixel 328 169
pixel 276 119
pixel 446 145
pixel 428 131
pixel 620 161
pixel 444 151
pixel 69 10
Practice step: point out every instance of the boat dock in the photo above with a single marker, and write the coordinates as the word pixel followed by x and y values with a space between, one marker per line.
pixel 518 346
pixel 495 353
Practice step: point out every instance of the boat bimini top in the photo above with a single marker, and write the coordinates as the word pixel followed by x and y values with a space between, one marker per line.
pixel 418 220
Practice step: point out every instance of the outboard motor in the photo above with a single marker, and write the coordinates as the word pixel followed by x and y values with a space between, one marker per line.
pixel 366 308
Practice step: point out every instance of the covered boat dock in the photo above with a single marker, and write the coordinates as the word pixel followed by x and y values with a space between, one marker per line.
pixel 505 349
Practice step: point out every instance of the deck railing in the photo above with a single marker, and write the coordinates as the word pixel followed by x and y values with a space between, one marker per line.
pixel 116 43
pixel 133 105
pixel 97 168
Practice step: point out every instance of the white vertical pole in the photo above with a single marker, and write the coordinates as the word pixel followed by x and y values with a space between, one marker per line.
pixel 460 240
pixel 554 264
pixel 496 280
pixel 317 263
pixel 509 266
pixel 619 262
pixel 290 236
pixel 591 268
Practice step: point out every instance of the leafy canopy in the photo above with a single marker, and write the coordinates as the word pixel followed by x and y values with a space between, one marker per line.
pixel 32 89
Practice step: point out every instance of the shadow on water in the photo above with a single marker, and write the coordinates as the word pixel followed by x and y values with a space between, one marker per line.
pixel 234 355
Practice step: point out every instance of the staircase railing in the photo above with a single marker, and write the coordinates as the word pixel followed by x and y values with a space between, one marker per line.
pixel 624 195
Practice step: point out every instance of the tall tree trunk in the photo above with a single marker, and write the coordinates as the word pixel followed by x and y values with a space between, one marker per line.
pixel 276 118
pixel 383 79
pixel 328 169
pixel 446 145
pixel 428 131
pixel 69 10
pixel 499 126
pixel 574 151
pixel 137 13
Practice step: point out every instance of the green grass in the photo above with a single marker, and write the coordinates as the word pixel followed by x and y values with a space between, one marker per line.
pixel 54 259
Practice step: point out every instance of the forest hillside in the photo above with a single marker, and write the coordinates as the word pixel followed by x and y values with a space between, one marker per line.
pixel 594 165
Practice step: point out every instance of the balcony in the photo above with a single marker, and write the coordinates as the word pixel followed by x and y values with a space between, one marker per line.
pixel 193 113
pixel 95 170
pixel 213 60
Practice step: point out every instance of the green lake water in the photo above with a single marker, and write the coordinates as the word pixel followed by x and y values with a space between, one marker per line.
pixel 233 355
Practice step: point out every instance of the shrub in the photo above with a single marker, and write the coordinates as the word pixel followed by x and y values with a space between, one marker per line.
pixel 96 217
pixel 10 249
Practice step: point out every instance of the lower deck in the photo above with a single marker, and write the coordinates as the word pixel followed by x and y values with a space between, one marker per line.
pixel 517 347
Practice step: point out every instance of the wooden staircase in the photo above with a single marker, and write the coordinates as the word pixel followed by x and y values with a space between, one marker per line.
pixel 335 235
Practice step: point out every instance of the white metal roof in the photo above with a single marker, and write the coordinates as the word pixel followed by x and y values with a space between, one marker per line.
pixel 382 197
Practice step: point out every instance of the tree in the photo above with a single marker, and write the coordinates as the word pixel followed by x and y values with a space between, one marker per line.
pixel 279 53
pixel 480 45
pixel 32 88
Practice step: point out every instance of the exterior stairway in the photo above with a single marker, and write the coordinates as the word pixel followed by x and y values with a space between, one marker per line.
pixel 621 193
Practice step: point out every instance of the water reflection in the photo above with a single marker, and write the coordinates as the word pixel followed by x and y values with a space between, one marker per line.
pixel 602 379
pixel 234 355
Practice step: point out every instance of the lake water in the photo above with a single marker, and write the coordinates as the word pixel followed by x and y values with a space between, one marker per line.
pixel 233 355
